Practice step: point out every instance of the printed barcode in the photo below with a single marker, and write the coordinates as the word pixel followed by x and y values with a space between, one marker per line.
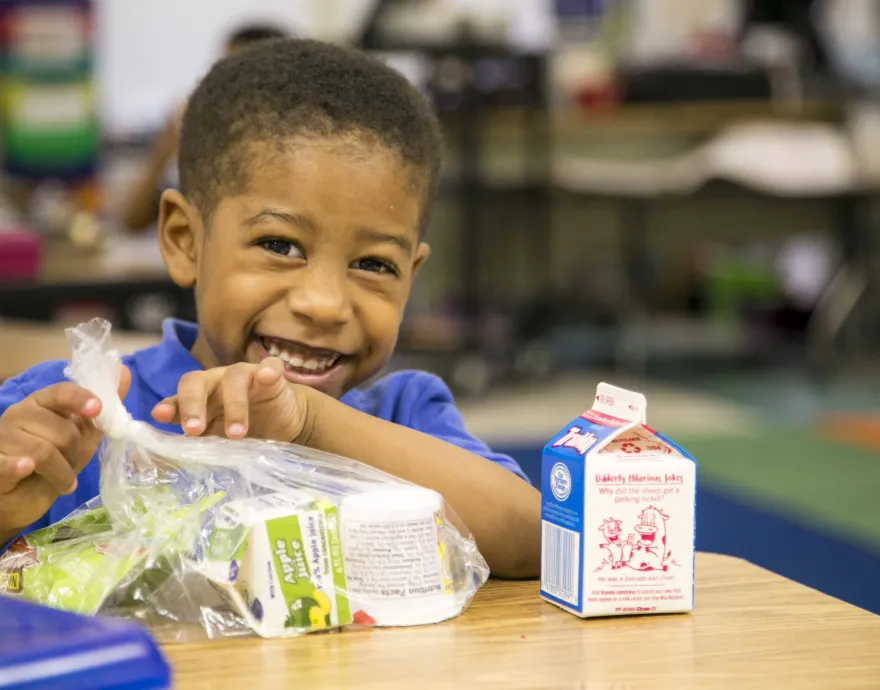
pixel 560 562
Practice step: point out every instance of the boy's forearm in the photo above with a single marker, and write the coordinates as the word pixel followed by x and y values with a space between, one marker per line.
pixel 501 510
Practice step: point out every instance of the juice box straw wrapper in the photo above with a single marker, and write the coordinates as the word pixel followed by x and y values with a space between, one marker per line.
pixel 618 514
pixel 277 561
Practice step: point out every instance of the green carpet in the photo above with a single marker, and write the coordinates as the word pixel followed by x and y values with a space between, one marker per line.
pixel 824 484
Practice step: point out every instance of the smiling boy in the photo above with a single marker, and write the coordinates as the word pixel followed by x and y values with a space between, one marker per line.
pixel 307 171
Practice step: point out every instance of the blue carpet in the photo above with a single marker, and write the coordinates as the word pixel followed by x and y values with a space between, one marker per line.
pixel 731 524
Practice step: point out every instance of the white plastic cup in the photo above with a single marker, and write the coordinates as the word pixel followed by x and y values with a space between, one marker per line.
pixel 397 563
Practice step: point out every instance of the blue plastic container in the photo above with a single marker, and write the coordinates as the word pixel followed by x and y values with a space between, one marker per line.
pixel 43 649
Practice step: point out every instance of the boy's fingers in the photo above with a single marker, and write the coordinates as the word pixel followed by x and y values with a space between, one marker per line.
pixel 235 393
pixel 269 379
pixel 61 433
pixel 166 411
pixel 270 370
pixel 67 399
pixel 124 382
pixel 192 402
pixel 13 470
pixel 90 439
pixel 49 463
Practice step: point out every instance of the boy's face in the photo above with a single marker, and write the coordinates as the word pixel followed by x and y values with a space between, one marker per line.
pixel 312 263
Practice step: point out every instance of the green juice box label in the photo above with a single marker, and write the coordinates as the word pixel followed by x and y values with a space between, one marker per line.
pixel 277 560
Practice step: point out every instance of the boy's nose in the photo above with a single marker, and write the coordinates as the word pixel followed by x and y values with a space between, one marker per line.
pixel 320 298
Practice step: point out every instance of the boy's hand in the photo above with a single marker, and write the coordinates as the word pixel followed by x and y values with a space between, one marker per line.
pixel 45 442
pixel 236 401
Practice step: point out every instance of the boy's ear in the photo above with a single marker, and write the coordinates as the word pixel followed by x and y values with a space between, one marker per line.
pixel 180 234
pixel 423 251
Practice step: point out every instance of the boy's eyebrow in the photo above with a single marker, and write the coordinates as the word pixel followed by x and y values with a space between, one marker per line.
pixel 377 237
pixel 299 220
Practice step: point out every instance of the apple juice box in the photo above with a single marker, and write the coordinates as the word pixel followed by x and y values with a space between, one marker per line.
pixel 618 514
pixel 277 560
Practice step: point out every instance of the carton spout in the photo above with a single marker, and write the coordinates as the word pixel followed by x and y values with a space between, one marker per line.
pixel 621 403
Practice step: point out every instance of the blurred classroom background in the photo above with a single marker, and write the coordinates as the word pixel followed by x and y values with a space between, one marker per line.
pixel 678 196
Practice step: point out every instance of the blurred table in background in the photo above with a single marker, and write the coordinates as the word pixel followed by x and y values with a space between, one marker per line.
pixel 613 132
pixel 120 258
pixel 693 117
pixel 23 345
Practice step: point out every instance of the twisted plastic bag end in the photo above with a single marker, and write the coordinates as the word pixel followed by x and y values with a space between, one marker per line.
pixel 97 367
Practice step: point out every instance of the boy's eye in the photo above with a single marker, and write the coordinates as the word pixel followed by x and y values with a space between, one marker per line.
pixel 376 266
pixel 280 247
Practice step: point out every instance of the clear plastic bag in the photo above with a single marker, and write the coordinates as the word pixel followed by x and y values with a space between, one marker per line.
pixel 231 537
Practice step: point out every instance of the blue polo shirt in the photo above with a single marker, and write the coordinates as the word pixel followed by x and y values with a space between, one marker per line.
pixel 414 399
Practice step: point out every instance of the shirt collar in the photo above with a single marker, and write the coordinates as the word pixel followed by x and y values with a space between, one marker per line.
pixel 162 366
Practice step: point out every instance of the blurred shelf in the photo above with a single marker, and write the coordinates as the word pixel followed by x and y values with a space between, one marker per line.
pixel 442 49
pixel 662 118
pixel 695 116
pixel 121 259
pixel 137 305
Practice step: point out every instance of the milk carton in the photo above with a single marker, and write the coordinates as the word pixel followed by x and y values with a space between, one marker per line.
pixel 618 514
pixel 277 561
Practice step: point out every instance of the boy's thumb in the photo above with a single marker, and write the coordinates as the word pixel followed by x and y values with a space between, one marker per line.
pixel 124 382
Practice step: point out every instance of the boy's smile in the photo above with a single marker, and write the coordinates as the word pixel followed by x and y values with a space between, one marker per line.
pixel 312 262
pixel 315 367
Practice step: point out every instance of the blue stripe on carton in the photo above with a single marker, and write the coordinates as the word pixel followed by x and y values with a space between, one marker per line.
pixel 562 485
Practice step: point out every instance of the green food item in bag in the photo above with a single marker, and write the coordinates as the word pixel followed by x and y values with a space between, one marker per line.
pixel 77 563
pixel 75 575
pixel 91 518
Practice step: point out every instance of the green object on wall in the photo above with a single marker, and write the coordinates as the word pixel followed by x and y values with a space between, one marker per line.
pixel 735 281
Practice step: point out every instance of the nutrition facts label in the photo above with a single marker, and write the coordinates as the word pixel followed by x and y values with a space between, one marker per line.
pixel 397 560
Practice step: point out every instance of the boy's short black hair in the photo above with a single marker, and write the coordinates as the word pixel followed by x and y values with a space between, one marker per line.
pixel 254 33
pixel 283 89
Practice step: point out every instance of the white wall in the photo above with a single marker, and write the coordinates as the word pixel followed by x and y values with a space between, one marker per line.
pixel 150 53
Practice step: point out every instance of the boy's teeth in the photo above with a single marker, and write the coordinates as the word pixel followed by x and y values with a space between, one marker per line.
pixel 298 361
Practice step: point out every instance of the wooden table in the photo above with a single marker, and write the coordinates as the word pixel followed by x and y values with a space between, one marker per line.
pixel 751 629
pixel 23 345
